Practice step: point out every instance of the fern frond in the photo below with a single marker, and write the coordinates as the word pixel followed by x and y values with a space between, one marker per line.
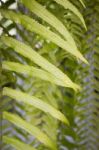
pixel 32 71
pixel 17 144
pixel 33 26
pixel 30 129
pixel 27 52
pixel 68 5
pixel 34 101
pixel 51 19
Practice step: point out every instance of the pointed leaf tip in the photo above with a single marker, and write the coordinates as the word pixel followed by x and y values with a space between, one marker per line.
pixel 81 1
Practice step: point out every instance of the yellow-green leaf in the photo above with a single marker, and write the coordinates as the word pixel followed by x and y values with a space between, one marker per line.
pixel 82 3
pixel 68 5
pixel 32 71
pixel 18 145
pixel 42 137
pixel 28 52
pixel 33 26
pixel 47 16
pixel 36 102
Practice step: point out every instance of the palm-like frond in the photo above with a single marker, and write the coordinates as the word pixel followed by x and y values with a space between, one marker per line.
pixel 41 66
pixel 17 144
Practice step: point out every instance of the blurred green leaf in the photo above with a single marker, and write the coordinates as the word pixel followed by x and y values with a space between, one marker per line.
pixel 30 129
pixel 34 26
pixel 68 5
pixel 36 102
pixel 17 144
pixel 28 52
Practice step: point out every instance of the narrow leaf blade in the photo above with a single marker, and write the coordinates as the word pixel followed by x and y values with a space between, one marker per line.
pixel 68 5
pixel 32 71
pixel 28 52
pixel 33 26
pixel 29 128
pixel 17 144
pixel 82 3
pixel 47 16
pixel 36 102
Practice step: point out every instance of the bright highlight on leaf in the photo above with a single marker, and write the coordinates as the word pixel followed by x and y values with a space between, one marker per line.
pixel 43 109
pixel 47 16
pixel 28 52
pixel 32 71
pixel 36 102
pixel 68 5
pixel 42 137
pixel 17 144
pixel 82 3
pixel 33 26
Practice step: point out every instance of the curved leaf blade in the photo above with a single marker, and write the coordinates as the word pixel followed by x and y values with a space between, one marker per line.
pixel 28 52
pixel 17 144
pixel 33 26
pixel 36 102
pixel 47 16
pixel 42 137
pixel 32 71
pixel 82 3
pixel 68 5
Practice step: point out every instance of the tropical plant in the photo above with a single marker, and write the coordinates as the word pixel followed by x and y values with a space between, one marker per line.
pixel 44 48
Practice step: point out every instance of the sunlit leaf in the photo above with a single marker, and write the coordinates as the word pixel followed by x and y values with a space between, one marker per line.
pixel 34 26
pixel 32 71
pixel 42 137
pixel 17 144
pixel 47 16
pixel 36 102
pixel 68 5
pixel 82 3
pixel 28 52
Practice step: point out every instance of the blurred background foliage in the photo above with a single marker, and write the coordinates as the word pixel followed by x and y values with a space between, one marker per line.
pixel 82 108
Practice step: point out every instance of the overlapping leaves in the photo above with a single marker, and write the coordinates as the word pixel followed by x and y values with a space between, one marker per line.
pixel 47 72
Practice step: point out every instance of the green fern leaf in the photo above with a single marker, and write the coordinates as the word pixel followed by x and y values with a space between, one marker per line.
pixel 28 52
pixel 17 144
pixel 36 102
pixel 42 137
pixel 82 3
pixel 47 16
pixel 68 5
pixel 34 26
pixel 32 71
